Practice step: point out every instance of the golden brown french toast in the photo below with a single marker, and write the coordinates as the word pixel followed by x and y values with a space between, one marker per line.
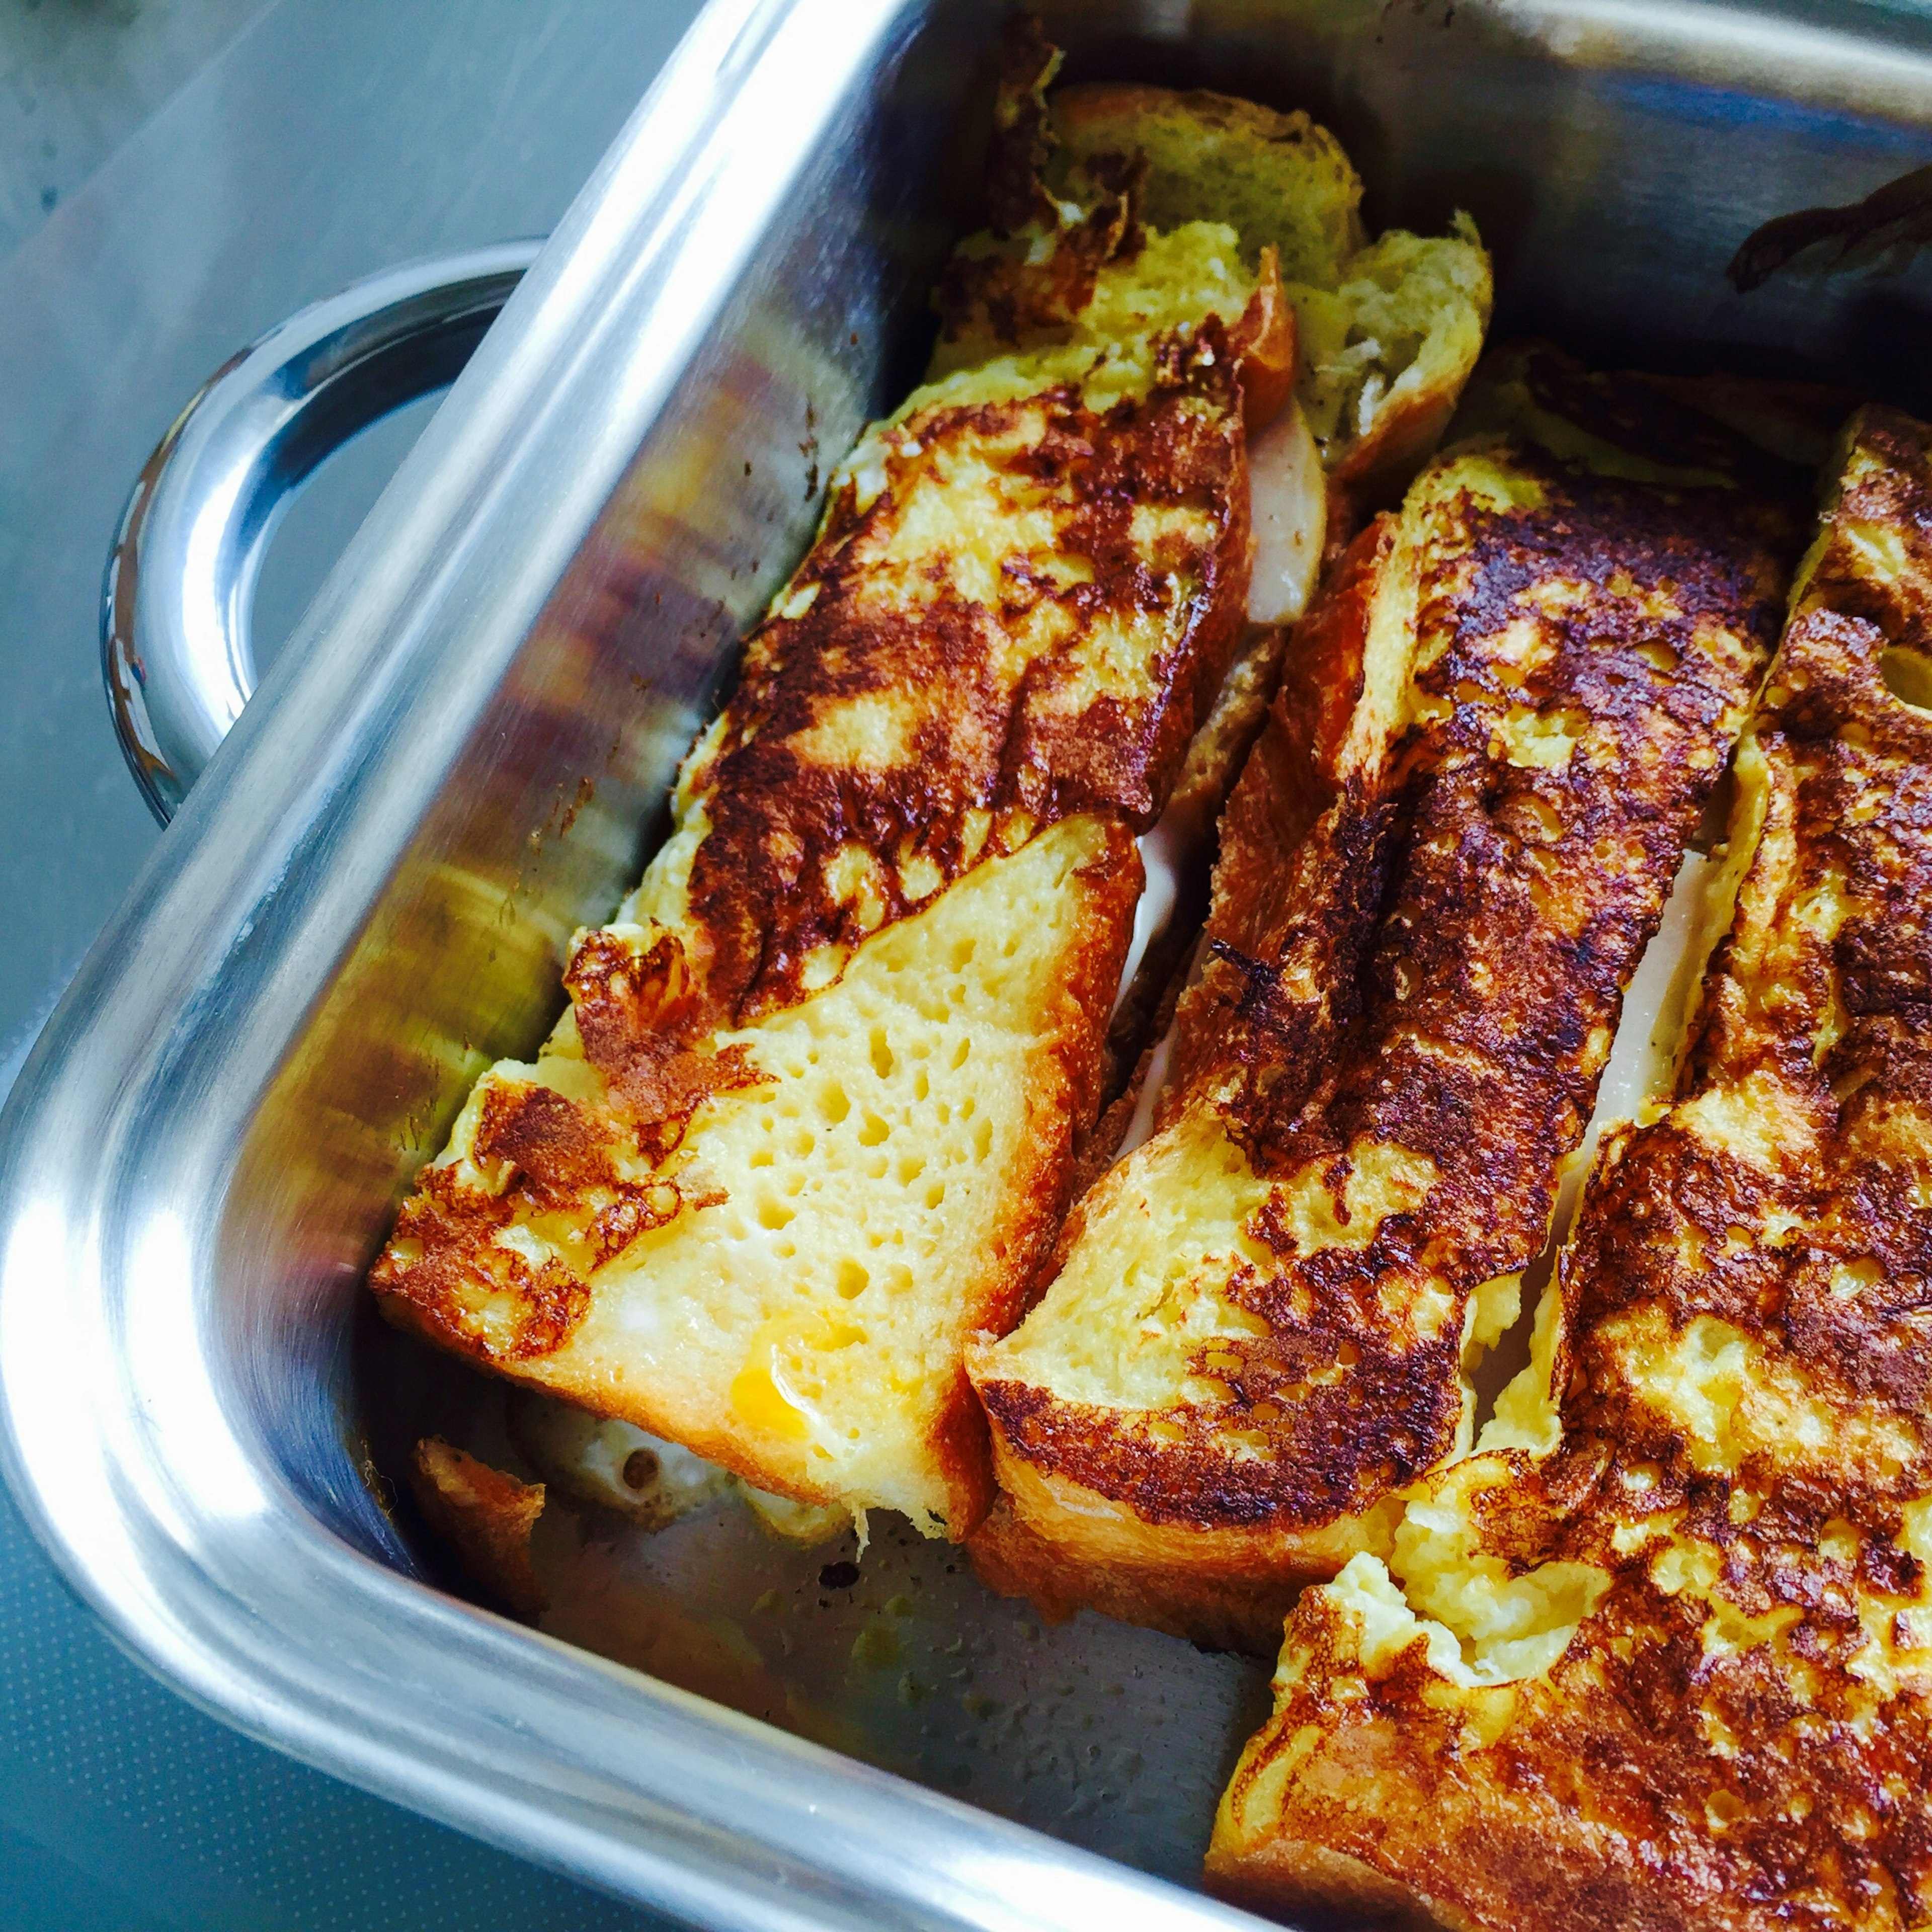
pixel 1113 205
pixel 814 1113
pixel 1660 1653
pixel 1496 734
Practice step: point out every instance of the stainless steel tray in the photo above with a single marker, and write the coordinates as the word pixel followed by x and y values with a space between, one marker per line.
pixel 458 758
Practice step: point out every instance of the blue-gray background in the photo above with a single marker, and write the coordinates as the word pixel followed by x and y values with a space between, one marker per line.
pixel 176 176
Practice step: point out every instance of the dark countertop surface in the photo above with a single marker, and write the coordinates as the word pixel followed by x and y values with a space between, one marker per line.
pixel 200 169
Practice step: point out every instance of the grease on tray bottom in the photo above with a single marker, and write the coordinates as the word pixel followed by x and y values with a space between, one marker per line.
pixel 1115 1739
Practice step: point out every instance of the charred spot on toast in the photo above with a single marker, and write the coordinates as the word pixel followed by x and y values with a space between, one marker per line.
pixel 446 1273
pixel 552 1160
pixel 1017 297
pixel 1603 627
pixel 1353 1438
pixel 1827 1029
pixel 1021 141
pixel 641 1013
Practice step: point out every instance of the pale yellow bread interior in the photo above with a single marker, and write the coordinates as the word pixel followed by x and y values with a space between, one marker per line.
pixel 806 1331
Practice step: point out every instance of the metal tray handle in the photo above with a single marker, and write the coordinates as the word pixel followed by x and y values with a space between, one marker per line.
pixel 175 604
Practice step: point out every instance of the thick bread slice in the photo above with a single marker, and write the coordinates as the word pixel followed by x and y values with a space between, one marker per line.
pixel 1498 730
pixel 1113 207
pixel 1661 1652
pixel 1389 329
pixel 1081 273
pixel 812 1118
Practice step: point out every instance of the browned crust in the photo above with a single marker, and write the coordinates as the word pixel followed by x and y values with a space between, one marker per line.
pixel 1769 438
pixel 1664 1772
pixel 1216 759
pixel 1470 922
pixel 640 1017
pixel 779 814
pixel 1262 870
pixel 485 1517
pixel 1022 136
pixel 442 1274
pixel 1324 1879
pixel 1796 422
pixel 1021 302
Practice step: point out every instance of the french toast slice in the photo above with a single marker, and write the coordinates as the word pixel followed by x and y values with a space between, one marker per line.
pixel 1660 1653
pixel 1388 330
pixel 813 1116
pixel 1496 732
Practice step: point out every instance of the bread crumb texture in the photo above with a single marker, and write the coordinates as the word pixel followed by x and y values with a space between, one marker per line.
pixel 1660 1652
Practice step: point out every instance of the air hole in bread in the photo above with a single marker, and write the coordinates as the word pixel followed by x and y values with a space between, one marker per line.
pixel 1908 675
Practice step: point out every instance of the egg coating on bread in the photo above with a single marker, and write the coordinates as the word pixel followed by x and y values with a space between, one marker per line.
pixel 810 1118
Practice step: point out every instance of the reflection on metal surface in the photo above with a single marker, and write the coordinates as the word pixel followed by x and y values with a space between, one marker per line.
pixel 191 1428
pixel 366 896
pixel 174 643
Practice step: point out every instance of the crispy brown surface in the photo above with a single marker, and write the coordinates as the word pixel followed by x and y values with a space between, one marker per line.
pixel 1652 421
pixel 1024 738
pixel 1438 975
pixel 444 1274
pixel 485 1516
pixel 1737 1735
pixel 1286 847
pixel 1185 1600
pixel 1499 935
pixel 1021 141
